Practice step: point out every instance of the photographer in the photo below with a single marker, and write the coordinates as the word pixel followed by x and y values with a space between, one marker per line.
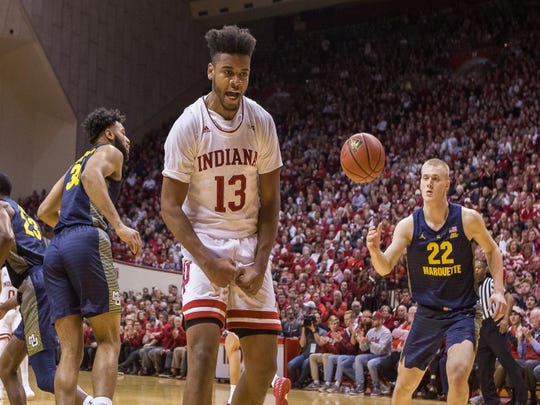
pixel 298 367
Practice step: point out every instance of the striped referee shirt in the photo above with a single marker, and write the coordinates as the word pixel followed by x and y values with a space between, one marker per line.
pixel 484 292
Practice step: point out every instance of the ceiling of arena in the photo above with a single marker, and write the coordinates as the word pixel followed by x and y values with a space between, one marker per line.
pixel 227 11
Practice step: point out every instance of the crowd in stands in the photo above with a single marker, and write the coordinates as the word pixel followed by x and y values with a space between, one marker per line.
pixel 396 78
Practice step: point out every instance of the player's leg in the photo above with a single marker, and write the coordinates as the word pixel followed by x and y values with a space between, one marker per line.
pixel 106 329
pixel 87 260
pixel 461 339
pixel 11 358
pixel 232 348
pixel 459 364
pixel 40 335
pixel 407 381
pixel 44 365
pixel 204 308
pixel 23 368
pixel 70 335
pixel 202 349
pixel 3 343
pixel 260 363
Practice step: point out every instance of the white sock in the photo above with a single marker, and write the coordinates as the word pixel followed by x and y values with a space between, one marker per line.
pixel 233 387
pixel 102 401
pixel 24 374
pixel 88 400
pixel 274 379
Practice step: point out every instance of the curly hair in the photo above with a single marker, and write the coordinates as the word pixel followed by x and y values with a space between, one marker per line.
pixel 5 184
pixel 99 120
pixel 230 39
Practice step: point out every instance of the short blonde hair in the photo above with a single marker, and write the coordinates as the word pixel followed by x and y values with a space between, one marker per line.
pixel 437 163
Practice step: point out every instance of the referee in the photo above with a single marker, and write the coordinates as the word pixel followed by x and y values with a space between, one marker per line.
pixel 494 344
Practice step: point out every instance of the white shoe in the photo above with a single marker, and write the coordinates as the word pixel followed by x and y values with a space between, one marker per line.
pixel 477 400
pixel 30 395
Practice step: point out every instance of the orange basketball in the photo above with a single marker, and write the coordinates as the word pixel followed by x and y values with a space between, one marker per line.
pixel 362 158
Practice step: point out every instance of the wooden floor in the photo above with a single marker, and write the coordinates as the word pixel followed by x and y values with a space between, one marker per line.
pixel 134 390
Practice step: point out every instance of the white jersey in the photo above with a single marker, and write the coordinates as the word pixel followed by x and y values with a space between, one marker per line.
pixel 8 290
pixel 221 160
pixel 12 318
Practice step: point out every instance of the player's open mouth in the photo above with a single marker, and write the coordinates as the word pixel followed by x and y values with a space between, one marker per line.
pixel 232 95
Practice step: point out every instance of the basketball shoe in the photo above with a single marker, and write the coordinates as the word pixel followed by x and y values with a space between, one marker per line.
pixel 282 386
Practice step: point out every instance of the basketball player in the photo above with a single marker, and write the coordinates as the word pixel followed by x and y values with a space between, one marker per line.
pixel 439 240
pixel 220 198
pixel 78 265
pixel 8 325
pixel 21 250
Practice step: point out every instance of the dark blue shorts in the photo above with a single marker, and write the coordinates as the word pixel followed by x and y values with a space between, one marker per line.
pixel 35 328
pixel 79 273
pixel 430 327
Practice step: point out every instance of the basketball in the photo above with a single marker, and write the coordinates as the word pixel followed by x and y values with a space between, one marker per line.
pixel 362 158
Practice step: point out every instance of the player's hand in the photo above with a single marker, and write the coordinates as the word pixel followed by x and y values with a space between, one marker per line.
pixel 132 238
pixel 3 313
pixel 503 327
pixel 250 279
pixel 373 238
pixel 221 271
pixel 498 302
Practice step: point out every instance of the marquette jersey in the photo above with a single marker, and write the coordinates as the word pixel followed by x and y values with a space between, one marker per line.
pixel 76 207
pixel 441 264
pixel 221 160
pixel 29 245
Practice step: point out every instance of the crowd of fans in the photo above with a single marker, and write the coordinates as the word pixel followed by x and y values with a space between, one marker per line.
pixel 396 78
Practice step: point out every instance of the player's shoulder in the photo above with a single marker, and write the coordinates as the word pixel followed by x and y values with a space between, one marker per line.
pixel 256 109
pixel 405 228
pixel 6 206
pixel 190 119
pixel 470 215
pixel 108 151
pixel 406 222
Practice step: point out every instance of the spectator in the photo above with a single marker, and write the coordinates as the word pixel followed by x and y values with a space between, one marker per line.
pixel 298 367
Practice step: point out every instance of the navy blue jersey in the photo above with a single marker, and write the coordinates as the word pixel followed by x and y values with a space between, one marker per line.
pixel 441 263
pixel 76 207
pixel 29 245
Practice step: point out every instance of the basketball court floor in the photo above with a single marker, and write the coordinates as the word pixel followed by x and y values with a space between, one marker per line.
pixel 135 390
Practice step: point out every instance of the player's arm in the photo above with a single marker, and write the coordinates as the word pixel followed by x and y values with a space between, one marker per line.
pixel 250 278
pixel 7 305
pixel 106 162
pixel 7 237
pixel 49 209
pixel 475 229
pixel 173 193
pixel 384 262
pixel 268 217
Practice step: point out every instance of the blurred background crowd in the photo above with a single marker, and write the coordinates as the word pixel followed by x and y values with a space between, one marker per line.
pixel 460 83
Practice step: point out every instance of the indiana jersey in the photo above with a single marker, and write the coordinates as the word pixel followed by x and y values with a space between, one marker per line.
pixel 441 263
pixel 76 207
pixel 8 290
pixel 29 246
pixel 221 160
pixel 11 319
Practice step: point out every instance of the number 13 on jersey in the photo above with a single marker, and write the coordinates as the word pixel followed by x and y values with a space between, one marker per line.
pixel 238 184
